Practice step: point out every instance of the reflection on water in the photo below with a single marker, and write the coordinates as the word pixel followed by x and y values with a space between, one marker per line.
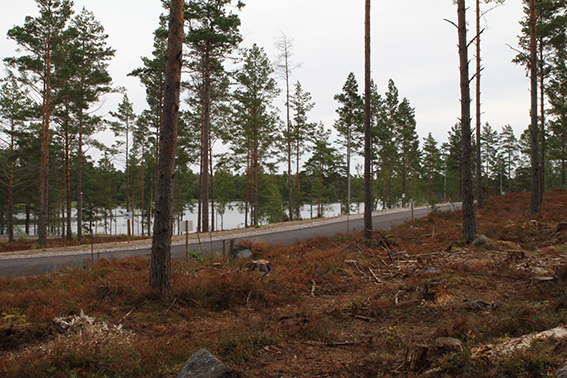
pixel 232 218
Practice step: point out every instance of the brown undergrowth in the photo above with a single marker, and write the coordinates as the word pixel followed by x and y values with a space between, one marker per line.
pixel 331 307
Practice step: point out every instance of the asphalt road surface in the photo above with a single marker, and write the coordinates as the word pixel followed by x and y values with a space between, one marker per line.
pixel 45 262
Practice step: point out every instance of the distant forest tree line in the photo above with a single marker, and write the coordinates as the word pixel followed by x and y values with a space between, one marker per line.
pixel 48 113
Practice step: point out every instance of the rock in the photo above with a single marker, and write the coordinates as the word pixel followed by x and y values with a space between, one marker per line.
pixel 448 343
pixel 483 241
pixel 203 364
pixel 482 305
pixel 261 266
pixel 432 270
pixel 561 373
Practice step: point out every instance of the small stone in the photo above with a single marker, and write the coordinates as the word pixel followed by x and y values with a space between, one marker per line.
pixel 432 270
pixel 203 364
pixel 448 343
pixel 262 266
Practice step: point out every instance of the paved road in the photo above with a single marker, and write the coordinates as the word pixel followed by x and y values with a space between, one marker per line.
pixel 43 264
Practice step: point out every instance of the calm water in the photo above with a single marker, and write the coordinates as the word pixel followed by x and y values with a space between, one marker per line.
pixel 232 219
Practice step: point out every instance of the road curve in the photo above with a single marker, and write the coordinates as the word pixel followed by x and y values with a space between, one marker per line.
pixel 46 261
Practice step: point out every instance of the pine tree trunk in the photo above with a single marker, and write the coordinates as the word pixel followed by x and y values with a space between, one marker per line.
pixel 44 164
pixel 469 221
pixel 160 268
pixel 68 184
pixel 479 195
pixel 368 200
pixel 535 199
pixel 542 112
pixel 256 197
pixel 212 189
pixel 206 133
pixel 289 185
pixel 297 204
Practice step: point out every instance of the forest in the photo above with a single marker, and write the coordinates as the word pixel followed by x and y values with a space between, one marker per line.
pixel 271 163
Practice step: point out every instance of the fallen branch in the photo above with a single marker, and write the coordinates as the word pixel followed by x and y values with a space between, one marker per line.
pixel 334 343
pixel 375 277
pixel 494 351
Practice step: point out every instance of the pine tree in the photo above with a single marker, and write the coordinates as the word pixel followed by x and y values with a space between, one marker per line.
pixel 213 34
pixel 125 119
pixel 254 119
pixel 469 221
pixel 323 162
pixel 509 149
pixel 44 42
pixel 15 110
pixel 349 124
pixel 301 132
pixel 408 142
pixel 489 146
pixel 160 267
pixel 90 80
pixel 431 163
pixel 284 67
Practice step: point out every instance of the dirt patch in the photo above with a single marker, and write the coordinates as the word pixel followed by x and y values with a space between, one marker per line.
pixel 15 336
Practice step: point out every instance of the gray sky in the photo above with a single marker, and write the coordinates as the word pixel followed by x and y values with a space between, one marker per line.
pixel 411 44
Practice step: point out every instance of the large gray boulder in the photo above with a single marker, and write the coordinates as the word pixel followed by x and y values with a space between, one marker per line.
pixel 203 364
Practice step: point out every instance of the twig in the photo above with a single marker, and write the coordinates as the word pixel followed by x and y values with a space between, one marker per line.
pixel 169 308
pixel 374 275
pixel 365 318
pixel 334 343
pixel 125 316
pixel 313 288
pixel 248 297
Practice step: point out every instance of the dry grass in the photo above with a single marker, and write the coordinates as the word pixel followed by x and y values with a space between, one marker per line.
pixel 332 307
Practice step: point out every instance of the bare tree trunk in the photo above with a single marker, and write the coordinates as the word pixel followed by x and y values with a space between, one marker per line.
pixel 287 105
pixel 44 165
pixel 10 214
pixel 212 189
pixel 68 184
pixel 160 268
pixel 542 112
pixel 535 200
pixel 206 147
pixel 469 221
pixel 297 204
pixel 479 197
pixel 256 193
pixel 368 200
pixel 142 211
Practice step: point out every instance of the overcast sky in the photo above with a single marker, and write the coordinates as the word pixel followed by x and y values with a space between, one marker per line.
pixel 411 44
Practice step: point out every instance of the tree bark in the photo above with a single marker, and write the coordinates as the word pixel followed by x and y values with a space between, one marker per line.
pixel 542 112
pixel 368 200
pixel 10 214
pixel 469 221
pixel 44 164
pixel 160 268
pixel 68 185
pixel 535 199
pixel 206 127
pixel 479 198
